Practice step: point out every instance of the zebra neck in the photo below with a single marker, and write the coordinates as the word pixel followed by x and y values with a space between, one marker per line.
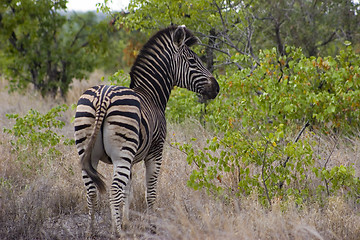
pixel 152 73
pixel 155 90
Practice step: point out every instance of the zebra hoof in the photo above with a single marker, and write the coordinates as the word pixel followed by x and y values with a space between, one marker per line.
pixel 125 226
pixel 119 234
pixel 152 229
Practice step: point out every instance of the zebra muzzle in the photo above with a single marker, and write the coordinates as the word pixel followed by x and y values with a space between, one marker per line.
pixel 210 91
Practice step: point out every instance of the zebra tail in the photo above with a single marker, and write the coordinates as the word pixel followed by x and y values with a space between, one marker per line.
pixel 86 165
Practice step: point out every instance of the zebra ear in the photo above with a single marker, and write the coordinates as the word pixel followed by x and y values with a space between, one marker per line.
pixel 179 36
pixel 192 41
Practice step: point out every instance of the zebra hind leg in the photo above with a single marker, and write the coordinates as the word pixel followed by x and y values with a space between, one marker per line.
pixel 127 198
pixel 92 202
pixel 117 195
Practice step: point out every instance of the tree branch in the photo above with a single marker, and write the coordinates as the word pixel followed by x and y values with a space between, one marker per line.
pixel 77 36
pixel 297 139
pixel 221 16
pixel 330 39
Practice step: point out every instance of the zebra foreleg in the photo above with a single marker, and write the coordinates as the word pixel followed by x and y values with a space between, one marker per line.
pixel 152 172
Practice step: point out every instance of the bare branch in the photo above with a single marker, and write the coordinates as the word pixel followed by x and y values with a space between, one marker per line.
pixel 331 152
pixel 330 39
pixel 217 49
pixel 77 36
pixel 263 174
pixel 297 139
pixel 221 16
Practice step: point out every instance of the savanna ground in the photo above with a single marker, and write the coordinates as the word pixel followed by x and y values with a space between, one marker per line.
pixel 45 199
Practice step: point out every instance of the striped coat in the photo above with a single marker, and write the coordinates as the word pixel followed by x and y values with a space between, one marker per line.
pixel 123 126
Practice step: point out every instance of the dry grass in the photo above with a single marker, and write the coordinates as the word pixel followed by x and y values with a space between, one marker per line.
pixel 50 204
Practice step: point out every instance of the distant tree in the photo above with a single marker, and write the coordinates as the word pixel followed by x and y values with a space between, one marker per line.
pixel 43 46
pixel 224 27
pixel 234 31
pixel 317 26
pixel 125 44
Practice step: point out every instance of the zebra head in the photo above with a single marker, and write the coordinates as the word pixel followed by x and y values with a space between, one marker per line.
pixel 190 73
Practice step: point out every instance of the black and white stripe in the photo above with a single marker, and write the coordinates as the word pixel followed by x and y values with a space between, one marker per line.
pixel 123 126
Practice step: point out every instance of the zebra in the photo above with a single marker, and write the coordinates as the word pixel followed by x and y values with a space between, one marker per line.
pixel 123 126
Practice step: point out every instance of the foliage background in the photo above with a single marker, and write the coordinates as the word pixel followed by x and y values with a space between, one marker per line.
pixel 277 150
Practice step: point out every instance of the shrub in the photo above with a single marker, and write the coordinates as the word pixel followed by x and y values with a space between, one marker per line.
pixel 264 120
pixel 34 138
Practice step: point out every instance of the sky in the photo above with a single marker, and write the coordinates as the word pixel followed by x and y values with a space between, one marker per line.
pixel 90 5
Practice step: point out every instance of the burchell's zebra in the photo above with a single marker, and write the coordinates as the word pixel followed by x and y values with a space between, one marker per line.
pixel 123 126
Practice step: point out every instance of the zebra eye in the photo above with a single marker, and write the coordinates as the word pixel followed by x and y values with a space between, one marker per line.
pixel 192 61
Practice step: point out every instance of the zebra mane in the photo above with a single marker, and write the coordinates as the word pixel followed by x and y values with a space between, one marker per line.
pixel 190 39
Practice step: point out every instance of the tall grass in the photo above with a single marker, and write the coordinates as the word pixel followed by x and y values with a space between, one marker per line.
pixel 50 204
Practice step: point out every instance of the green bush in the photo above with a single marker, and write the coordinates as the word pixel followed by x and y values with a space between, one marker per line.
pixel 34 137
pixel 264 119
